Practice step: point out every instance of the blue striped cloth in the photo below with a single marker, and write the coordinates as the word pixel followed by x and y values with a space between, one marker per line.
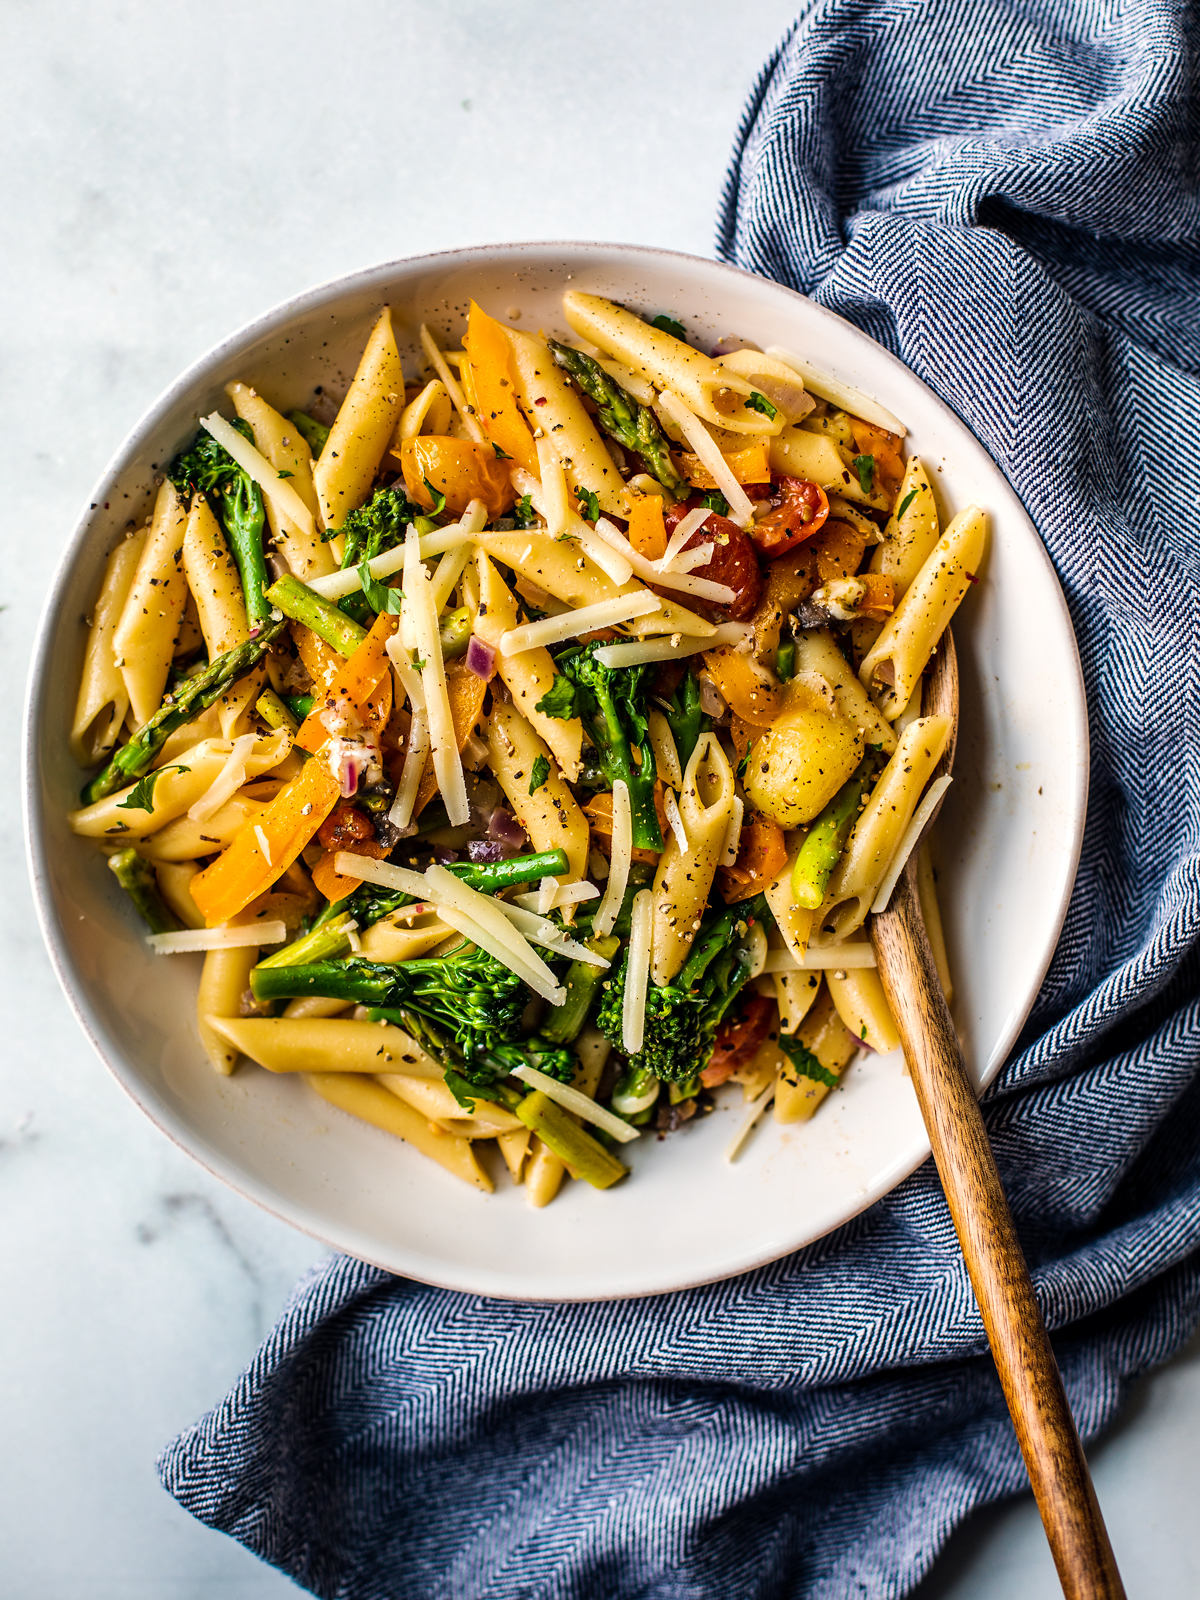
pixel 1004 194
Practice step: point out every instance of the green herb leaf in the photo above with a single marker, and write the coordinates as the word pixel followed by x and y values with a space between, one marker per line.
pixel 439 500
pixel 286 474
pixel 560 700
pixel 715 501
pixel 904 504
pixel 501 455
pixel 379 596
pixel 760 403
pixel 524 516
pixel 805 1063
pixel 589 504
pixel 538 773
pixel 865 467
pixel 669 325
pixel 142 796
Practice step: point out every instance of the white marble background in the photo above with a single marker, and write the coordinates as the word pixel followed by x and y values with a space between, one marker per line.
pixel 171 171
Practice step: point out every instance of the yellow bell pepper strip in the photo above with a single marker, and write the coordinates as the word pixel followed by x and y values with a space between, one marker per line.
pixel 367 673
pixel 458 468
pixel 245 870
pixel 490 355
pixel 323 663
pixel 647 531
pixel 751 465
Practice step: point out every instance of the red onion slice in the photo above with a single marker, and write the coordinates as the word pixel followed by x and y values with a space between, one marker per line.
pixel 481 659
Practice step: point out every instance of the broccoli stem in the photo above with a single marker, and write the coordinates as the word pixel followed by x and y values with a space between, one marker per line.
pixel 369 983
pixel 822 849
pixel 636 1091
pixel 586 1157
pixel 136 877
pixel 324 943
pixel 562 1024
pixel 299 705
pixel 189 696
pixel 622 417
pixel 314 433
pixel 685 718
pixel 304 605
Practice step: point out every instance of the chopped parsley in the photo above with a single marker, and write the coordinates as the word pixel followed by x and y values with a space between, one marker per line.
pixel 589 504
pixel 715 501
pixel 559 700
pixel 501 455
pixel 141 797
pixel 760 403
pixel 286 474
pixel 865 467
pixel 804 1063
pixel 524 516
pixel 538 773
pixel 439 500
pixel 379 596
pixel 669 325
pixel 904 504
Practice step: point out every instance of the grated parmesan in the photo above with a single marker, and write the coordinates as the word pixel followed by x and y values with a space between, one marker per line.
pixel 619 860
pixel 441 366
pixel 912 834
pixel 841 394
pixel 671 646
pixel 747 1127
pixel 695 520
pixel 540 930
pixel 741 510
pixel 637 973
pixel 263 844
pixel 418 609
pixel 648 571
pixel 227 782
pixel 225 937
pixel 278 490
pixel 553 630
pixel 576 1101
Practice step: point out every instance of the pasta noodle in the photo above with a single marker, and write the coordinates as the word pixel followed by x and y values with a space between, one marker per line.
pixel 483 833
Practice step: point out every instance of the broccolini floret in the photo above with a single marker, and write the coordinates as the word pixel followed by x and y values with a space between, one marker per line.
pixel 611 701
pixel 207 468
pixel 682 1017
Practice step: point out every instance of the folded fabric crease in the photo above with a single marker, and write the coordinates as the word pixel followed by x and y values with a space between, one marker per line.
pixel 1006 195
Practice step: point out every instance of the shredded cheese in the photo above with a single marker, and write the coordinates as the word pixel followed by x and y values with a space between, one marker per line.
pixel 457 535
pixel 604 614
pixel 648 571
pixel 539 930
pixel 441 366
pixel 382 873
pixel 699 555
pixel 841 394
pixel 637 973
pixel 671 806
pixel 401 810
pixel 546 890
pixel 670 646
pixel 528 972
pixel 264 844
pixel 449 571
pixel 757 1107
pixel 278 490
pixel 222 938
pixel 610 561
pixel 619 861
pixel 227 782
pixel 423 625
pixel 556 508
pixel 559 894
pixel 695 519
pixel 741 509
pixel 822 958
pixel 581 1104
pixel 449 892
pixel 733 833
pixel 930 802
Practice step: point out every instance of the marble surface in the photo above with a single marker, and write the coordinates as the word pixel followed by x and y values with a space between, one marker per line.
pixel 173 171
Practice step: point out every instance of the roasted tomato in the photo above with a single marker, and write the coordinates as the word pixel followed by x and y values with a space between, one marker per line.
pixel 734 562
pixel 738 1038
pixel 460 470
pixel 800 510
pixel 344 827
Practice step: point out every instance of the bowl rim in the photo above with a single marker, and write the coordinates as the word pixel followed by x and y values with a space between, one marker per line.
pixel 315 299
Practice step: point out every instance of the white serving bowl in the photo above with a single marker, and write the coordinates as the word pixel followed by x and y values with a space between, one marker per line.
pixel 1008 841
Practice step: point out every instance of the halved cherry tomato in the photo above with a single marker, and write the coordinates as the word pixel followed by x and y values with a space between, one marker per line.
pixel 733 563
pixel 738 1039
pixel 458 468
pixel 800 510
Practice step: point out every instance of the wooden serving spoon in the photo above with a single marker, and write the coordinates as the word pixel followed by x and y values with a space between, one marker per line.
pixel 1029 1375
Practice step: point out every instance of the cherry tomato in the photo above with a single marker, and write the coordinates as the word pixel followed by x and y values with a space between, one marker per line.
pixel 738 1039
pixel 800 510
pixel 734 562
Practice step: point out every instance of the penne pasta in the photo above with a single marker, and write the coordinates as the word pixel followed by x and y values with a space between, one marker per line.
pixel 225 979
pixel 686 871
pixel 550 815
pixel 551 405
pixel 287 451
pixel 363 429
pixel 103 698
pixel 368 1100
pixel 144 638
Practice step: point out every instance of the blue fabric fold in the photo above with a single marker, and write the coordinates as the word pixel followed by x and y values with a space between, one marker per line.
pixel 1006 195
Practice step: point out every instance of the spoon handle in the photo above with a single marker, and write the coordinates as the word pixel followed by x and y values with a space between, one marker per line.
pixel 1033 1388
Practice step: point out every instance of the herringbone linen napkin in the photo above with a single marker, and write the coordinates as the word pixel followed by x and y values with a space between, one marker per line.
pixel 1006 196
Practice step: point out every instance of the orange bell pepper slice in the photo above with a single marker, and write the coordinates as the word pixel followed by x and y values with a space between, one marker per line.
pixel 885 447
pixel 880 599
pixel 762 856
pixel 244 870
pixel 361 686
pixel 751 698
pixel 490 355
pixel 647 530
pixel 321 661
pixel 458 468
pixel 751 465
pixel 839 549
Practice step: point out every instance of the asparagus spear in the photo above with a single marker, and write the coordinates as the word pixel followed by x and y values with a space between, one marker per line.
pixel 314 433
pixel 302 604
pixel 136 877
pixel 275 713
pixel 631 424
pixel 822 849
pixel 563 1023
pixel 190 696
